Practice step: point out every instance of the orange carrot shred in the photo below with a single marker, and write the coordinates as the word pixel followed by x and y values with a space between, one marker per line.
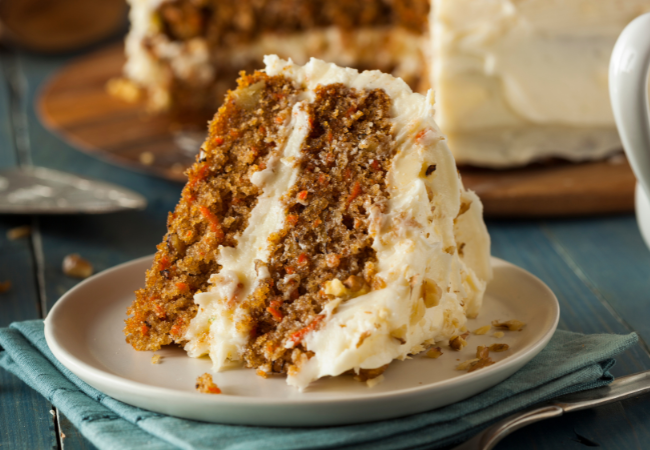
pixel 302 259
pixel 420 134
pixel 215 226
pixel 300 334
pixel 356 191
pixel 163 264
pixel 277 315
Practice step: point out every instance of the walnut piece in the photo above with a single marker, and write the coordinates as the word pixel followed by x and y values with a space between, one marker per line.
pixel 484 362
pixel 368 374
pixel 434 352
pixel 482 330
pixel 77 267
pixel 511 325
pixel 457 343
pixel 5 286
pixel 499 347
pixel 482 352
pixel 354 283
pixel 19 232
pixel 467 364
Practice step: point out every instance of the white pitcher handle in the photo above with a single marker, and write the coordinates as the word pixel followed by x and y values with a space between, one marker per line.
pixel 628 89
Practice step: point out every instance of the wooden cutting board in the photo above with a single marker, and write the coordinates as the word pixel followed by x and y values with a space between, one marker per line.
pixel 76 105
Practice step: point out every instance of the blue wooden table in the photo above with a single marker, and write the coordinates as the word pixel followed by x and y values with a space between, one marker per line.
pixel 599 269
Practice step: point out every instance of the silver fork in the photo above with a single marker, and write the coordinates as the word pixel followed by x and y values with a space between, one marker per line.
pixel 620 389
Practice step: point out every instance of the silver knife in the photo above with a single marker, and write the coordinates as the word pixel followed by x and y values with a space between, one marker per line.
pixel 37 190
pixel 619 389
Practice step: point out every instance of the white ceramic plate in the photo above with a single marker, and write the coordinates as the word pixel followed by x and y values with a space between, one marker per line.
pixel 84 331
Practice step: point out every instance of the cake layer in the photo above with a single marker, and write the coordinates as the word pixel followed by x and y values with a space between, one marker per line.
pixel 191 69
pixel 215 207
pixel 519 81
pixel 353 254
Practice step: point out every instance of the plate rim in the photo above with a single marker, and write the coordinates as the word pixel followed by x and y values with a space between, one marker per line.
pixel 67 359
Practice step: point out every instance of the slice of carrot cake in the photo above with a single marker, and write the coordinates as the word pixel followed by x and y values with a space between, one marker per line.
pixel 323 229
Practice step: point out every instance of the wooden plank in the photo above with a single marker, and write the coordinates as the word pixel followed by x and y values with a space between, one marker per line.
pixel 76 105
pixel 624 425
pixel 613 261
pixel 620 426
pixel 20 302
pixel 25 421
pixel 7 152
pixel 105 240
pixel 72 439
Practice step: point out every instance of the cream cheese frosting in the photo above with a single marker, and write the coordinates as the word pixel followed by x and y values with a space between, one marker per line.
pixel 431 243
pixel 528 77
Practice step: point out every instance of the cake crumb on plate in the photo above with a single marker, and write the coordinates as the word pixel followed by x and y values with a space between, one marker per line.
pixel 205 385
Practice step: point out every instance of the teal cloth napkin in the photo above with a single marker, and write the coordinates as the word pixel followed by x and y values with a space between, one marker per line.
pixel 571 362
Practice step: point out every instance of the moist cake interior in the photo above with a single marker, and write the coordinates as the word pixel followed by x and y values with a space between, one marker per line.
pixel 343 165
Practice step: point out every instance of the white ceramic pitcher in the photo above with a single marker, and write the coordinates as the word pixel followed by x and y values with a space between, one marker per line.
pixel 628 90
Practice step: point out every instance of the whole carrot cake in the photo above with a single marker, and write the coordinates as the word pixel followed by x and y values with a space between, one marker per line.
pixel 323 229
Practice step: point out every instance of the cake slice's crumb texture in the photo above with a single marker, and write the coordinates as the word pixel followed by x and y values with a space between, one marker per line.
pixel 214 208
pixel 325 240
